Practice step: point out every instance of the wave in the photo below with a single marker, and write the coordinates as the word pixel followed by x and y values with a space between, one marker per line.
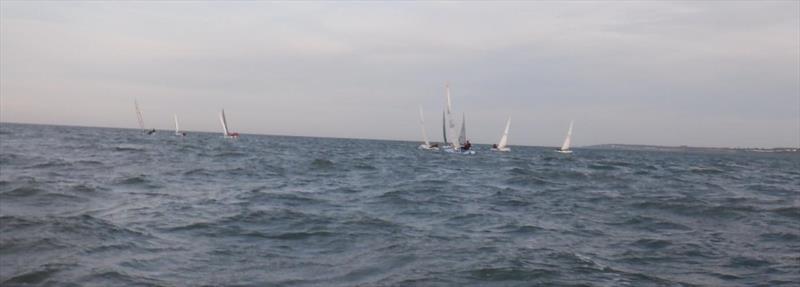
pixel 596 166
pixel 231 154
pixel 705 170
pixel 322 164
pixel 790 212
pixel 652 224
pixel 781 237
pixel 23 246
pixel 51 164
pixel 649 243
pixel 36 275
pixel 745 261
pixel 85 189
pixel 503 274
pixel 300 235
pixel 129 148
pixel 110 277
pixel 24 191
pixel 198 172
pixel 136 181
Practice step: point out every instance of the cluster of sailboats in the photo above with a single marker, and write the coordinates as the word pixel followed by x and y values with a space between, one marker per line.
pixel 452 142
pixel 460 143
pixel 225 132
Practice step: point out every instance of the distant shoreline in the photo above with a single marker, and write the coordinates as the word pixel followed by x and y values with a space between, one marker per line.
pixel 691 149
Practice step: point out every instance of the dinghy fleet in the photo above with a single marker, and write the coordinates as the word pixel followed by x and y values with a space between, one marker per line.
pixel 451 142
pixel 461 144
pixel 225 132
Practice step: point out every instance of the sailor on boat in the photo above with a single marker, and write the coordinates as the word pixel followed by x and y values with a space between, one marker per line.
pixel 466 146
pixel 150 132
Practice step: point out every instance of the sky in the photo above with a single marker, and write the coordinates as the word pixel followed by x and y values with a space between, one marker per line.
pixel 715 73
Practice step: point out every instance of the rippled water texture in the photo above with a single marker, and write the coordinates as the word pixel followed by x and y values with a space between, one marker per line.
pixel 110 207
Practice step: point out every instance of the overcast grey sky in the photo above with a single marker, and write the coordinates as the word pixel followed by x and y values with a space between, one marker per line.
pixel 717 73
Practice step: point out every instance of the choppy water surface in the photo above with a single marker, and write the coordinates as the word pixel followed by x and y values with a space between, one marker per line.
pixel 109 207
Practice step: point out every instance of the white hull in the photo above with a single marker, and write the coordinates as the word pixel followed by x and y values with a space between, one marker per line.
pixel 450 150
pixel 425 147
pixel 502 149
pixel 563 151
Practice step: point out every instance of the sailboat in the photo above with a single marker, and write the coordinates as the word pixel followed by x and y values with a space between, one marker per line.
pixel 503 144
pixel 455 142
pixel 225 131
pixel 565 147
pixel 427 145
pixel 178 129
pixel 451 126
pixel 141 119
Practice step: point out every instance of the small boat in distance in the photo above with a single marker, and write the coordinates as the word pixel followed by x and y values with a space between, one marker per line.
pixel 565 147
pixel 426 145
pixel 177 128
pixel 503 144
pixel 458 144
pixel 225 131
pixel 141 119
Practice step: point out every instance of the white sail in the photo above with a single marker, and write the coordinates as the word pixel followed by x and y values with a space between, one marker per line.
pixel 422 124
pixel 444 129
pixel 504 139
pixel 224 123
pixel 462 135
pixel 177 127
pixel 567 140
pixel 139 114
pixel 451 125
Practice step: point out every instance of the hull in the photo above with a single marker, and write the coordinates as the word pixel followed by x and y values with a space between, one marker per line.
pixel 449 150
pixel 425 147
pixel 502 149
pixel 563 151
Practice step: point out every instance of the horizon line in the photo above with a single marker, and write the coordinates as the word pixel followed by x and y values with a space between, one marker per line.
pixel 399 140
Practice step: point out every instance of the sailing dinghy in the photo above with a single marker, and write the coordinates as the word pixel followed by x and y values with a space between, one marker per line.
pixel 455 141
pixel 565 147
pixel 178 129
pixel 225 131
pixel 503 144
pixel 141 119
pixel 426 145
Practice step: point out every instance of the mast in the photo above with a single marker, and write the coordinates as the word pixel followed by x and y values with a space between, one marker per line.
pixel 462 136
pixel 444 129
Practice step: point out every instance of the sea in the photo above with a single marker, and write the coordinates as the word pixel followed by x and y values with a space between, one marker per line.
pixel 84 206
